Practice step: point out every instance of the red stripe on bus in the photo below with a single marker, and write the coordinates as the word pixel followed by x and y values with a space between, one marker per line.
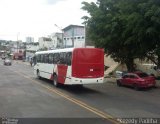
pixel 62 72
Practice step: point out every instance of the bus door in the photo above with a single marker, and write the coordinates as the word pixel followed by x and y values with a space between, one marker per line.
pixel 62 68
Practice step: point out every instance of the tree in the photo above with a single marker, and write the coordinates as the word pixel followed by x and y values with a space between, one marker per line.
pixel 124 28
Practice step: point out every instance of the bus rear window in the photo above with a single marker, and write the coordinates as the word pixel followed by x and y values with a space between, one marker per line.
pixel 89 56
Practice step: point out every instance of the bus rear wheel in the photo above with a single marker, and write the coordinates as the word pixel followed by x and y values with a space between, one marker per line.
pixel 55 81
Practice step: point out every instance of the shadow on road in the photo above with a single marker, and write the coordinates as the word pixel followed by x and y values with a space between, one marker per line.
pixel 143 89
pixel 76 89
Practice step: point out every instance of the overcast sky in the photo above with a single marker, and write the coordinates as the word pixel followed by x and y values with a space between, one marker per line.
pixel 22 18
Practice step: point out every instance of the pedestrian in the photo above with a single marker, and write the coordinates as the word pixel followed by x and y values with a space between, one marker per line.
pixel 31 61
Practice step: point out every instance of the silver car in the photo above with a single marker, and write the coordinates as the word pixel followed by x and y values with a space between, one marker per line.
pixel 7 62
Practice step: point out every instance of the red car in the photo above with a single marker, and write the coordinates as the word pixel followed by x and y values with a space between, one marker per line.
pixel 137 80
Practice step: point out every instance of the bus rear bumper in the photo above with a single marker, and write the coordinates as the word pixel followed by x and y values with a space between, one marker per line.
pixel 85 81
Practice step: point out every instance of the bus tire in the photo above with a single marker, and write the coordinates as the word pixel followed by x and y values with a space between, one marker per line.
pixel 55 81
pixel 38 74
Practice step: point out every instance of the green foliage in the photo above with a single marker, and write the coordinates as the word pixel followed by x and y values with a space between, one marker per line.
pixel 126 29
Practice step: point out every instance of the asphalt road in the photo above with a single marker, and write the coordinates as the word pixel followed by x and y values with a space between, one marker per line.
pixel 24 96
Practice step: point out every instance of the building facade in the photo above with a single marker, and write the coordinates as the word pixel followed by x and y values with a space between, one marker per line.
pixel 45 43
pixel 29 39
pixel 57 40
pixel 74 36
pixel 31 48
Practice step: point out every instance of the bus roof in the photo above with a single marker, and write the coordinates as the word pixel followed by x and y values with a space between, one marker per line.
pixel 56 50
pixel 61 50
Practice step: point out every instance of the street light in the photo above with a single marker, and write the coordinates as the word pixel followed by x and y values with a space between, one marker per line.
pixel 17 41
pixel 64 44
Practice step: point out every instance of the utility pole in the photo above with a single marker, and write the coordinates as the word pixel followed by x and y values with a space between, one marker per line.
pixel 73 37
pixel 17 41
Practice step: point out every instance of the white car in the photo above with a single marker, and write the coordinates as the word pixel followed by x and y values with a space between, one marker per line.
pixel 7 62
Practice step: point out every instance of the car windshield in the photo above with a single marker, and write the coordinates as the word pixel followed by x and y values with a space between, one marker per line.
pixel 142 75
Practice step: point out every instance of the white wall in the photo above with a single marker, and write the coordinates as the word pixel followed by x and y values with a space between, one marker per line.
pixel 32 47
pixel 45 43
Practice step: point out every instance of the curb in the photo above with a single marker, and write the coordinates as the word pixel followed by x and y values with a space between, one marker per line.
pixel 110 80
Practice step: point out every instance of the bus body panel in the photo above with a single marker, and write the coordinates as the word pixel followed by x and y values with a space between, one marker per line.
pixel 68 76
pixel 45 70
pixel 62 73
pixel 88 63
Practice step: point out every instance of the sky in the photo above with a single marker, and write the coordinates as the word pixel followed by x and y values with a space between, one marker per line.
pixel 37 18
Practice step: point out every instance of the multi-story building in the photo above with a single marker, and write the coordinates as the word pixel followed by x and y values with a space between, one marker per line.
pixel 57 40
pixel 45 43
pixel 53 41
pixel 31 48
pixel 74 36
pixel 16 46
pixel 29 39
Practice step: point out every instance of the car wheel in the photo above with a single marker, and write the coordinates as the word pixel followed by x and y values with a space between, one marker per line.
pixel 136 87
pixel 119 83
pixel 55 81
pixel 155 86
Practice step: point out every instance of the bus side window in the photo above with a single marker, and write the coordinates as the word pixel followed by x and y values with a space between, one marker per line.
pixel 50 58
pixel 46 58
pixel 63 58
pixel 53 58
pixel 37 58
pixel 56 58
pixel 42 58
pixel 68 58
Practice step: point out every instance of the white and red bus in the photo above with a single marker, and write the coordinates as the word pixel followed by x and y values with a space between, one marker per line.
pixel 71 66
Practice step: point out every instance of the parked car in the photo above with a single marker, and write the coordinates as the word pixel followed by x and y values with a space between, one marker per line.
pixel 3 57
pixel 137 80
pixel 7 62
